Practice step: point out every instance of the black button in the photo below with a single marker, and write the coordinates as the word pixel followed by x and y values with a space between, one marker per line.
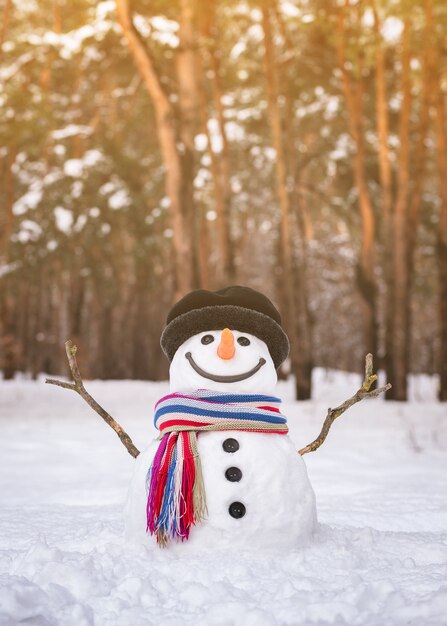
pixel 233 474
pixel 230 445
pixel 237 510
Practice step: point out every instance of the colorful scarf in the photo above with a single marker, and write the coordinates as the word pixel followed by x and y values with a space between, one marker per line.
pixel 176 495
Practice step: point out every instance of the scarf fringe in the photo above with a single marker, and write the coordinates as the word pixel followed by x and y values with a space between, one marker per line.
pixel 176 498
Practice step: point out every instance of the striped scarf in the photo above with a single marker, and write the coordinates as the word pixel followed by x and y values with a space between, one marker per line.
pixel 176 495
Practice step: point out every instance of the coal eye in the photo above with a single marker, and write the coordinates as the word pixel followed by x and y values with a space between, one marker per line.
pixel 243 341
pixel 207 339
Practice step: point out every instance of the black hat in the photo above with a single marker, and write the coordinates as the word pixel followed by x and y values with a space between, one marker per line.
pixel 238 308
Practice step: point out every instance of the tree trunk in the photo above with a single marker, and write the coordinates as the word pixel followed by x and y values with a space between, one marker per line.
pixel 305 314
pixel 419 165
pixel 9 345
pixel 299 356
pixel 218 192
pixel 186 66
pixel 399 355
pixel 300 220
pixel 204 252
pixel 441 139
pixel 6 214
pixel 385 177
pixel 7 10
pixel 219 162
pixel 175 185
pixel 442 263
pixel 229 267
pixel 365 269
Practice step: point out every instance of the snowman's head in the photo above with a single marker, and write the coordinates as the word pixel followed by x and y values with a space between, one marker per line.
pixel 223 360
pixel 227 340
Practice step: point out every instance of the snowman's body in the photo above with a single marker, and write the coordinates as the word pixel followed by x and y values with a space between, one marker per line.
pixel 258 494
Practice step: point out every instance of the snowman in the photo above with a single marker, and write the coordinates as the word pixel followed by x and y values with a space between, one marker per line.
pixel 223 473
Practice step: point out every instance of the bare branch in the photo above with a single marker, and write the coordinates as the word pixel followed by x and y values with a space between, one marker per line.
pixel 71 356
pixel 60 383
pixel 78 386
pixel 332 414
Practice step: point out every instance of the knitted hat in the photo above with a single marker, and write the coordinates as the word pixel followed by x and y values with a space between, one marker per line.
pixel 237 308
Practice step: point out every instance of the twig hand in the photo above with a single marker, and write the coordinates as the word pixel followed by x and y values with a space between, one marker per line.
pixel 332 414
pixel 78 386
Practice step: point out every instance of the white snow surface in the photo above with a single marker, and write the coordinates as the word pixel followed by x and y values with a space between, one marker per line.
pixel 378 557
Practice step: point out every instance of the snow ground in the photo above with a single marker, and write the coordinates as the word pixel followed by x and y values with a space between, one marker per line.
pixel 379 557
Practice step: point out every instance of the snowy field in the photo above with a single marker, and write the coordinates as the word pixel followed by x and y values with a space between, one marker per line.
pixel 379 556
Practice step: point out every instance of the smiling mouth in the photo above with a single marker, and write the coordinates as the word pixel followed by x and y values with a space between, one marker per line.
pixel 224 379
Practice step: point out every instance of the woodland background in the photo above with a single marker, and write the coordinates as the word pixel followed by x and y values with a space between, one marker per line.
pixel 153 147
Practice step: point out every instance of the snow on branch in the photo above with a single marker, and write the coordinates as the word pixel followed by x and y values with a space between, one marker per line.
pixel 365 391
pixel 78 386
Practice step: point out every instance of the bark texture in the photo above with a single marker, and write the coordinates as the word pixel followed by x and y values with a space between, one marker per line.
pixel 365 391
pixel 226 273
pixel 292 292
pixel 78 386
pixel 440 100
pixel 166 129
pixel 399 294
pixel 419 165
pixel 353 92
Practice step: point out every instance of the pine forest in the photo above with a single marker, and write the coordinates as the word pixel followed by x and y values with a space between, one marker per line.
pixel 149 148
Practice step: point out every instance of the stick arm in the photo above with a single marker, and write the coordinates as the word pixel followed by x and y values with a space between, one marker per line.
pixel 78 386
pixel 332 414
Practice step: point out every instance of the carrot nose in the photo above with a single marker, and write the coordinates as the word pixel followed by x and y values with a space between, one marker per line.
pixel 226 347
